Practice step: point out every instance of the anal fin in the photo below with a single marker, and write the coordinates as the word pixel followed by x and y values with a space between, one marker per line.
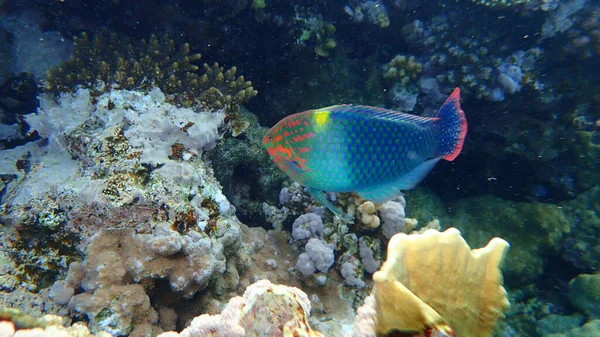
pixel 392 190
pixel 322 198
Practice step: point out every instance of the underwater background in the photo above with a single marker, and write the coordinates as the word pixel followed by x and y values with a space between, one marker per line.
pixel 136 195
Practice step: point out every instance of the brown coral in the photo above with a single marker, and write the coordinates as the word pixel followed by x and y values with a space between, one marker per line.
pixel 110 59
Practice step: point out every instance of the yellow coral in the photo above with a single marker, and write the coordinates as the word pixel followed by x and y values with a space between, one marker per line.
pixel 403 69
pixel 368 214
pixel 441 284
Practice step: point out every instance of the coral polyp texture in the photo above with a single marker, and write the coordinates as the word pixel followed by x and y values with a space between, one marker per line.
pixel 110 59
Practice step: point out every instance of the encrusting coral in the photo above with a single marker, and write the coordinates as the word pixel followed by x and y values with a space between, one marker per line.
pixel 110 59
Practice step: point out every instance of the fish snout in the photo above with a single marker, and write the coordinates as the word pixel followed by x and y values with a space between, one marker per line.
pixel 267 140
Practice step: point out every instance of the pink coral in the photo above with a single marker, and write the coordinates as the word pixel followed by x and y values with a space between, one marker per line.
pixel 266 309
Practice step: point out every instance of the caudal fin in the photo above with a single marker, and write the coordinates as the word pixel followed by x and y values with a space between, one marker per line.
pixel 453 126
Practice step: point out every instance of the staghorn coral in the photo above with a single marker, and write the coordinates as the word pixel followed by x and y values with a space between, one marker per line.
pixel 110 59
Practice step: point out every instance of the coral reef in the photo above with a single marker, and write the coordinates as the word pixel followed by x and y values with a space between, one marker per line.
pixel 108 60
pixel 279 310
pixel 107 184
pixel 121 203
pixel 245 171
pixel 265 309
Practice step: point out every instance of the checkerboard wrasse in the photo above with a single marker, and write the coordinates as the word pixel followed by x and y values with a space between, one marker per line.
pixel 374 152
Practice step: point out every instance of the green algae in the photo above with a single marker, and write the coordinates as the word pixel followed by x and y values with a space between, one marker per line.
pixel 534 230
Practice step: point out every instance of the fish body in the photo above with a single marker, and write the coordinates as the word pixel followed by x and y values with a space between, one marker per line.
pixel 374 152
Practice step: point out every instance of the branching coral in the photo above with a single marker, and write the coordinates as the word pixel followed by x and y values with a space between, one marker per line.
pixel 401 76
pixel 470 63
pixel 109 59
pixel 403 69
pixel 315 29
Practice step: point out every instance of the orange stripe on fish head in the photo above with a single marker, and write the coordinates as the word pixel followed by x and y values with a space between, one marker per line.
pixel 278 138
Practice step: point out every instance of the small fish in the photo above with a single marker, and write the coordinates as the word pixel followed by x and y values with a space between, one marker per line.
pixel 374 152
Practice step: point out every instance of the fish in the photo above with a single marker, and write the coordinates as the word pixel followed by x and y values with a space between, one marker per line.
pixel 374 152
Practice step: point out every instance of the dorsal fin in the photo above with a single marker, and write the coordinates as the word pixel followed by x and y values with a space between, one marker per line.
pixel 380 113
